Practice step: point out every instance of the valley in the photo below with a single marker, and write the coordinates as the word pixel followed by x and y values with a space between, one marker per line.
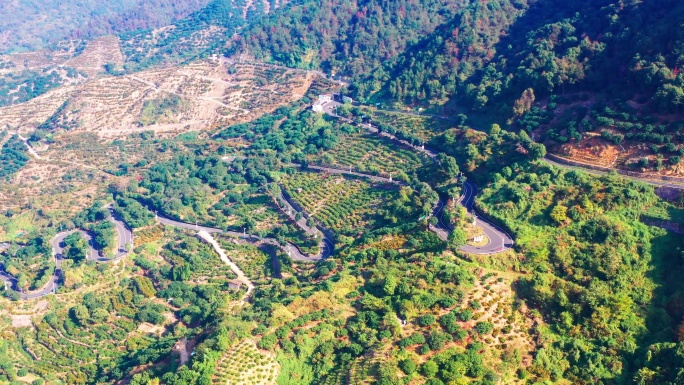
pixel 429 192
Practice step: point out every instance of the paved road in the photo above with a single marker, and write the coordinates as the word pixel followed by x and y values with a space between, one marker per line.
pixel 654 182
pixel 499 239
pixel 58 246
pixel 290 208
pixel 124 237
pixel 124 240
pixel 51 285
pixel 189 226
pixel 293 251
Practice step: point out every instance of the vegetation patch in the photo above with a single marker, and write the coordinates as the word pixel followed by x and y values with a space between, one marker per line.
pixel 13 156
pixel 338 203
pixel 245 364
pixel 160 110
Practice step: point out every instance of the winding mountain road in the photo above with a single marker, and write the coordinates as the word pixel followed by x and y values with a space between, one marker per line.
pixel 292 250
pixel 124 240
pixel 499 239
pixel 653 182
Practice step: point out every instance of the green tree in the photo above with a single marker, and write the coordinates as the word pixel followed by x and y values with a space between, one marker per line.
pixel 537 151
pixel 484 327
pixel 457 238
pixel 559 214
pixel 426 320
pixel 449 165
pixel 80 314
pixel 389 284
pixel 407 366
pixel 429 369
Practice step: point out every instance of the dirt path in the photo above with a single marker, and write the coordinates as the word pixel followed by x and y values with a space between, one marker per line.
pixel 30 149
pixel 240 275
pixel 182 347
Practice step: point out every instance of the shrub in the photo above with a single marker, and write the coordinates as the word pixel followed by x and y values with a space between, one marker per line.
pixel 267 342
pixel 484 327
pixel 465 315
pixel 407 366
pixel 426 320
pixel 437 340
pixel 429 369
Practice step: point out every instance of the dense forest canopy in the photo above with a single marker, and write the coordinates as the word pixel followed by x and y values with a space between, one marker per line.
pixel 481 54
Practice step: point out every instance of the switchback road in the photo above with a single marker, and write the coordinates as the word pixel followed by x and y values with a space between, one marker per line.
pixel 499 240
pixel 124 241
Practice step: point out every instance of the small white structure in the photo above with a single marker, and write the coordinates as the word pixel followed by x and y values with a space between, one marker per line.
pixel 478 238
pixel 347 99
pixel 322 100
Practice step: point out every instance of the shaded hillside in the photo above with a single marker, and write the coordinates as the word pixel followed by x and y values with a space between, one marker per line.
pixel 349 36
pixel 482 54
pixel 490 54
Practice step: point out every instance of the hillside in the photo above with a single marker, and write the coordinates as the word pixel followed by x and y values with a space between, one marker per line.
pixel 575 75
pixel 198 203
pixel 31 25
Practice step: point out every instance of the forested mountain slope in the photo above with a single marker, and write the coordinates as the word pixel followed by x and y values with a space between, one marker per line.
pixel 349 36
pixel 32 24
pixel 497 50
pixel 596 81
pixel 481 52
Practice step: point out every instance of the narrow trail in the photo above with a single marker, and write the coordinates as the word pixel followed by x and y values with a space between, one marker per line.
pixel 29 147
pixel 292 250
pixel 183 351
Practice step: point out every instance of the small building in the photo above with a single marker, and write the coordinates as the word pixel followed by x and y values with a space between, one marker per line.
pixel 478 238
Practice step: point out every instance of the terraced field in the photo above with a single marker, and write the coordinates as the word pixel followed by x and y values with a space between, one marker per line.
pixel 244 364
pixel 368 153
pixel 338 203
pixel 205 264
pixel 424 127
pixel 257 215
pixel 252 260
pixel 213 92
